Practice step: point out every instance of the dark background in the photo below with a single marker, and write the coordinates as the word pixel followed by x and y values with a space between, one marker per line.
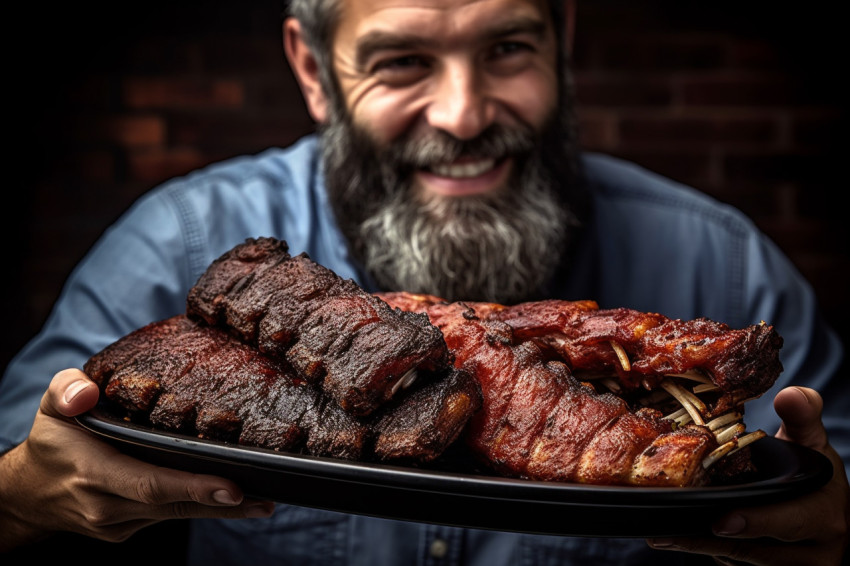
pixel 742 100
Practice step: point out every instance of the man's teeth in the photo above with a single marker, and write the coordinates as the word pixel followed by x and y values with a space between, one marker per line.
pixel 464 170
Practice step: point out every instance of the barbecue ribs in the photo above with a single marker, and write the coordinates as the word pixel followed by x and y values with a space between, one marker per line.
pixel 633 350
pixel 185 376
pixel 538 421
pixel 332 332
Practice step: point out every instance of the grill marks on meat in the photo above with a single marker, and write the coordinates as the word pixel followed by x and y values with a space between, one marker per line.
pixel 185 376
pixel 331 331
pixel 538 422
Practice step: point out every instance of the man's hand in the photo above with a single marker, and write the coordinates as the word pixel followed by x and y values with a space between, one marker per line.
pixel 810 530
pixel 63 479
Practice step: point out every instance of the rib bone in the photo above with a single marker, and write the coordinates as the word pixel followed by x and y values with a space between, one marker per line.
pixel 622 356
pixel 685 399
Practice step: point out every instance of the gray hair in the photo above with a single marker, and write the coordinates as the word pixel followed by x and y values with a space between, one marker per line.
pixel 319 19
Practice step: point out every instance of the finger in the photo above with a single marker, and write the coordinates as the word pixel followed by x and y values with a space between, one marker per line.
pixel 70 393
pixel 117 514
pixel 248 509
pixel 149 484
pixel 117 523
pixel 800 409
pixel 785 523
pixel 818 517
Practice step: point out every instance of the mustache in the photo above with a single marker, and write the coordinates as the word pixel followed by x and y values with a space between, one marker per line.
pixel 438 147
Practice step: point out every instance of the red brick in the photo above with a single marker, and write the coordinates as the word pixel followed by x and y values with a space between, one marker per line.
pixel 95 165
pixel 691 168
pixel 178 92
pixel 124 130
pixel 278 93
pixel 156 165
pixel 739 89
pixel 162 55
pixel 597 129
pixel 618 90
pixel 659 51
pixel 759 201
pixel 242 55
pixel 692 129
pixel 774 166
pixel 238 133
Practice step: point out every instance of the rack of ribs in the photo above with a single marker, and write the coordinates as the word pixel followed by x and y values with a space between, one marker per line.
pixel 332 332
pixel 630 351
pixel 539 421
pixel 185 376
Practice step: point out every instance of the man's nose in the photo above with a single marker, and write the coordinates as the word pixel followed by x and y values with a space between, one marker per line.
pixel 460 106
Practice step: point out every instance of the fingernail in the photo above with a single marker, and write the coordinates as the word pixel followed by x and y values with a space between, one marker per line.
pixel 224 497
pixel 259 510
pixel 660 542
pixel 730 526
pixel 74 390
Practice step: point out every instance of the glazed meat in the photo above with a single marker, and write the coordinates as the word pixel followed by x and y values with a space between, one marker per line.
pixel 538 421
pixel 633 350
pixel 333 333
pixel 184 376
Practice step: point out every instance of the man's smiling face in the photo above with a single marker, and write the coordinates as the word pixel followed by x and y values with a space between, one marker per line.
pixel 413 69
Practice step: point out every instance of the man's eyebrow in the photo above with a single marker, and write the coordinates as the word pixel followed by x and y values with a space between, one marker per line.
pixel 531 26
pixel 376 41
pixel 380 40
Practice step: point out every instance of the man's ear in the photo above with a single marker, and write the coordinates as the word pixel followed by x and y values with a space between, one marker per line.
pixel 306 69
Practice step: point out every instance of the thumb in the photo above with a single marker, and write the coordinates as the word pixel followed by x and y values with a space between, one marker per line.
pixel 800 409
pixel 70 393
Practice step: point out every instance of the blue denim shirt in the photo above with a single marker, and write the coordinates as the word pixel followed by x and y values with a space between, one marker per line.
pixel 651 244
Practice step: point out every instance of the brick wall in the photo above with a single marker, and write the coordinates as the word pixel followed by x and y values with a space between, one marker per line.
pixel 113 102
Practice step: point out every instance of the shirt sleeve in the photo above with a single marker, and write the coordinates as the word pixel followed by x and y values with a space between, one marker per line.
pixel 135 274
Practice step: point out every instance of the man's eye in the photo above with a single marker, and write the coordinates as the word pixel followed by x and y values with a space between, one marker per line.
pixel 409 61
pixel 401 70
pixel 507 48
pixel 510 57
pixel 406 62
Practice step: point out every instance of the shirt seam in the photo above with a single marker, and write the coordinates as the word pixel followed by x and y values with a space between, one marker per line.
pixel 193 239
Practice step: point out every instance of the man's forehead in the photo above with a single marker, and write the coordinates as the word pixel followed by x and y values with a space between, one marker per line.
pixel 427 17
pixel 361 12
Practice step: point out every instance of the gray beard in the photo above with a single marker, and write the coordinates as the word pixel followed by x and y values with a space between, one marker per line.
pixel 501 247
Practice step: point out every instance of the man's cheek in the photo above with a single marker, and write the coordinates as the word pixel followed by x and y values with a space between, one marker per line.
pixel 386 117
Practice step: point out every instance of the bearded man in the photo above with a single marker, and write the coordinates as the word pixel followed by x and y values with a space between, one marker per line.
pixel 445 162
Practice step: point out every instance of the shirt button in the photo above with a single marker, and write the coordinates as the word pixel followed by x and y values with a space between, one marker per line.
pixel 439 548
